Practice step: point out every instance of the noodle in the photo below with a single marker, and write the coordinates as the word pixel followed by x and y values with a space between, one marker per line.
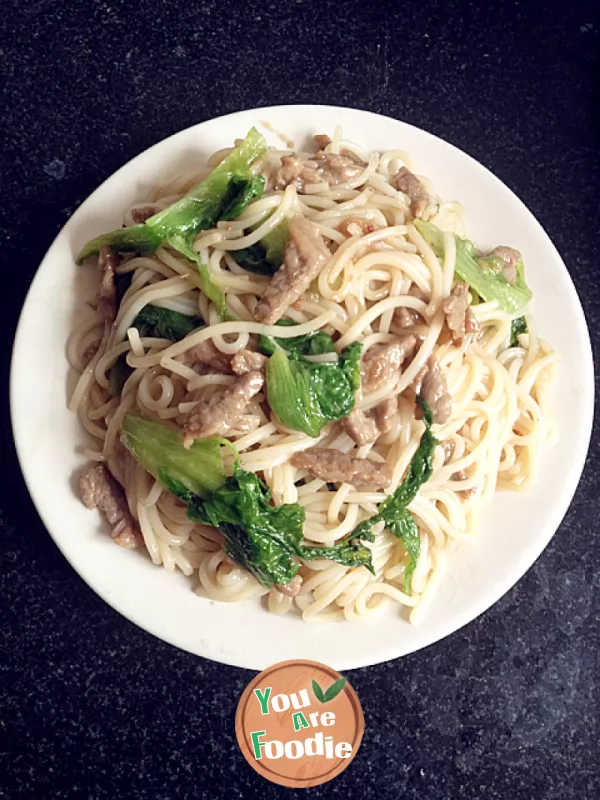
pixel 499 426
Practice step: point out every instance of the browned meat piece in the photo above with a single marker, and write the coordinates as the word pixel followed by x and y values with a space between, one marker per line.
pixel 459 315
pixel 360 428
pixel 410 185
pixel 207 354
pixel 355 226
pixel 142 213
pixel 305 256
pixel 335 467
pixel 223 412
pixel 248 361
pixel 448 447
pixel 385 413
pixel 511 258
pixel 89 352
pixel 460 475
pixel 107 298
pixel 322 140
pixel 98 489
pixel 322 167
pixel 430 383
pixel 381 361
pixel 407 317
pixel 292 588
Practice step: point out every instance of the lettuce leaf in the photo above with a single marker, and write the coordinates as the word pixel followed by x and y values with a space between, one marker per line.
pixel 306 396
pixel 485 278
pixel 394 509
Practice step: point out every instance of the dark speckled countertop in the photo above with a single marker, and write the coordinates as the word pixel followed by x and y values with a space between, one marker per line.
pixel 92 707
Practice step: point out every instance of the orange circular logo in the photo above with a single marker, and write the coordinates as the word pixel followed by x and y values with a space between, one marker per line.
pixel 299 723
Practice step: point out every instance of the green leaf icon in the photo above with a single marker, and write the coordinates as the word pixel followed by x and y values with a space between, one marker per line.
pixel 318 692
pixel 331 693
pixel 334 689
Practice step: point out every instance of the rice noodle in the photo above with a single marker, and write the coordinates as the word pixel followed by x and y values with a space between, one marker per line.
pixel 499 425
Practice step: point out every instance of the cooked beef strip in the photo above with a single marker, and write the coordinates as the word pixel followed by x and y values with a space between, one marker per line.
pixel 361 428
pixel 382 361
pixel 385 413
pixel 98 489
pixel 335 467
pixel 223 412
pixel 511 258
pixel 292 588
pixel 144 212
pixel 459 315
pixel 322 167
pixel 305 256
pixel 107 297
pixel 430 383
pixel 248 361
pixel 410 185
pixel 207 354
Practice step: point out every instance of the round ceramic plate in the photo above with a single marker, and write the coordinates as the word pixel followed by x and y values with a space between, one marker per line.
pixel 513 530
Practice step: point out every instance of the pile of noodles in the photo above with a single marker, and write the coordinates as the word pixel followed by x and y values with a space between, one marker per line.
pixel 499 423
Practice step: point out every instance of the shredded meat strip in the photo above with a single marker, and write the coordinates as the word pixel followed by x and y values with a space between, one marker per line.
pixel 89 352
pixel 98 489
pixel 448 447
pixel 511 258
pixel 107 297
pixel 385 413
pixel 322 140
pixel 223 412
pixel 143 212
pixel 305 256
pixel 248 361
pixel 292 588
pixel 356 226
pixel 361 428
pixel 207 354
pixel 430 383
pixel 381 362
pixel 322 167
pixel 335 467
pixel 410 185
pixel 407 317
pixel 459 315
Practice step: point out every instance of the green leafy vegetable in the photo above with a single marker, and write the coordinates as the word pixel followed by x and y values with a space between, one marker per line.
pixel 266 539
pixel 394 510
pixel 347 551
pixel 136 238
pixel 258 536
pixel 262 538
pixel 306 396
pixel 240 193
pixel 265 257
pixel 484 275
pixel 165 324
pixel 517 327
pixel 188 473
pixel 311 344
pixel 227 190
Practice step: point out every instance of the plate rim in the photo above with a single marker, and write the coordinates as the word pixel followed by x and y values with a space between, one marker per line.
pixel 490 598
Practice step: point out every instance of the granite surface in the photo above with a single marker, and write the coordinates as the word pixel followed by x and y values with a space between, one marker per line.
pixel 92 707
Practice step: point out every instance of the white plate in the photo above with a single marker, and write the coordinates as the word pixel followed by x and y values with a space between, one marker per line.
pixel 514 530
